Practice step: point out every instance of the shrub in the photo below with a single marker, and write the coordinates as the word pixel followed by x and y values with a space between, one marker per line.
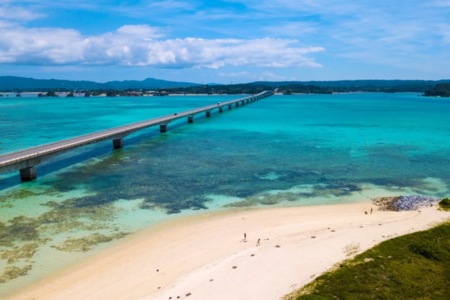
pixel 445 204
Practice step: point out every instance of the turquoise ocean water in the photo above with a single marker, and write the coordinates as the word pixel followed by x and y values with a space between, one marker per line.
pixel 282 150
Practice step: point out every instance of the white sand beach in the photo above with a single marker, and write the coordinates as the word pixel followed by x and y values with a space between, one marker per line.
pixel 206 257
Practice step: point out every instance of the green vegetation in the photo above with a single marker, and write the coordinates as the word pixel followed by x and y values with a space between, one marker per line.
pixel 48 94
pixel 441 90
pixel 250 88
pixel 162 87
pixel 13 83
pixel 414 266
pixel 444 204
pixel 311 87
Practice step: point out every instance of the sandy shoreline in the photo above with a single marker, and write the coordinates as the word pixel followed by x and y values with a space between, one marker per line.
pixel 205 257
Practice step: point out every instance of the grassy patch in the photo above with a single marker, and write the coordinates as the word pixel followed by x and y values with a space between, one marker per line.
pixel 414 266
pixel 444 204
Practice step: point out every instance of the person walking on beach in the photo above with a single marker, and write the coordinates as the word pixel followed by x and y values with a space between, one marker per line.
pixel 245 237
pixel 258 243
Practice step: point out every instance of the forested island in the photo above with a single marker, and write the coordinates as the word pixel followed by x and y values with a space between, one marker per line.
pixel 157 87
pixel 439 90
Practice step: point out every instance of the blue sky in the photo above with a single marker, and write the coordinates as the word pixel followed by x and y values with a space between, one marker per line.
pixel 225 41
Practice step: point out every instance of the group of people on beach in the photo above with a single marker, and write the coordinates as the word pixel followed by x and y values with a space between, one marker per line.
pixel 257 243
pixel 371 211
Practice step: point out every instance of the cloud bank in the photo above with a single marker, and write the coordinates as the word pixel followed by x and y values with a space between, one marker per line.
pixel 383 39
pixel 142 45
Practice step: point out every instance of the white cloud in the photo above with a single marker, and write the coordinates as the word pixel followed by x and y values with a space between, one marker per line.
pixel 139 31
pixel 40 46
pixel 19 14
pixel 140 45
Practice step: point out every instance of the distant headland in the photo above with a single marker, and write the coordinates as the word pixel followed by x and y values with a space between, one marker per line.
pixel 158 87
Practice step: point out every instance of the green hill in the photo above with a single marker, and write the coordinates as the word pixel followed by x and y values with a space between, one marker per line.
pixel 414 266
pixel 12 83
pixel 440 90
pixel 429 87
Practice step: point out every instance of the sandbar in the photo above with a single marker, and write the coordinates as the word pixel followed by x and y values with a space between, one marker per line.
pixel 206 257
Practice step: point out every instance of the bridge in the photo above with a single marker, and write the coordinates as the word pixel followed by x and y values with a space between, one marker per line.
pixel 26 160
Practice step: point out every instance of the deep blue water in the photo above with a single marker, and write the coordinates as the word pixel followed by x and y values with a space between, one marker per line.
pixel 283 150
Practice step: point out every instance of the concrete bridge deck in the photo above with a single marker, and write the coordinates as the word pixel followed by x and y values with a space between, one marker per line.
pixel 26 160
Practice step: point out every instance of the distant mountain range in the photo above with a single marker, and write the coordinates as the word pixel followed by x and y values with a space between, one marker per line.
pixel 12 83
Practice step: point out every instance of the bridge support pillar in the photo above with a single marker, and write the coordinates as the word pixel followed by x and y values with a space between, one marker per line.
pixel 230 106
pixel 208 114
pixel 163 128
pixel 28 174
pixel 221 109
pixel 117 143
pixel 190 119
pixel 237 104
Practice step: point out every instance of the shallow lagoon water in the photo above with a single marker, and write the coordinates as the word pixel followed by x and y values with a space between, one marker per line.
pixel 283 150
